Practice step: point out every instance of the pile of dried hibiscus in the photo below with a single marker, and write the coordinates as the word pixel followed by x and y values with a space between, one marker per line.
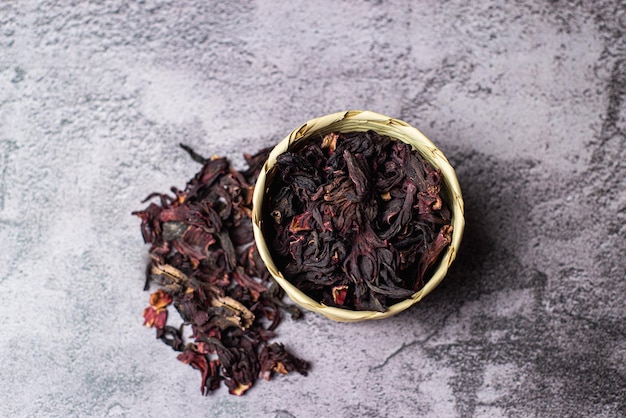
pixel 205 263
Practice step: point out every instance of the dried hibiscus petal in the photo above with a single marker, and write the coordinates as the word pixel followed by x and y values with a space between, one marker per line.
pixel 160 299
pixel 154 317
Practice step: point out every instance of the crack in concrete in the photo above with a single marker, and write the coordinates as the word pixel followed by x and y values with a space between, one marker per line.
pixel 283 413
pixel 6 148
pixel 404 346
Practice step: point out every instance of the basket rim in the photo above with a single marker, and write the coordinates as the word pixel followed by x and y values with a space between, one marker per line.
pixel 350 121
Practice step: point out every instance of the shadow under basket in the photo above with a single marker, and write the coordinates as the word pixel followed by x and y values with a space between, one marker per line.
pixel 362 121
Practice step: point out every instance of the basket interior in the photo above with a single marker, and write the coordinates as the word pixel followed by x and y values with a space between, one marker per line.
pixel 355 121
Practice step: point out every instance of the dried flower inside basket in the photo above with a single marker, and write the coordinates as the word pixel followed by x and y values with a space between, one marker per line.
pixel 356 219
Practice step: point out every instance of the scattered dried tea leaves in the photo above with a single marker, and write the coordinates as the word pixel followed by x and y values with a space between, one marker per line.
pixel 356 220
pixel 204 262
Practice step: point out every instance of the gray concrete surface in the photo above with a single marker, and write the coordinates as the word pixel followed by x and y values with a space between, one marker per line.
pixel 527 99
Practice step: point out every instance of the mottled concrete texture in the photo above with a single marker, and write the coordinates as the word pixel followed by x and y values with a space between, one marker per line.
pixel 527 99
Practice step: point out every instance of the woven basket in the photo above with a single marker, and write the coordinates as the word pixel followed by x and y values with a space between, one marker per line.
pixel 361 121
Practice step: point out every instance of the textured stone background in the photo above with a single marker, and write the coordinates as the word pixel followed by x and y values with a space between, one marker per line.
pixel 527 99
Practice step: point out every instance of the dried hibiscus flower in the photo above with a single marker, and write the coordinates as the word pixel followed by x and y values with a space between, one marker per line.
pixel 205 263
pixel 155 315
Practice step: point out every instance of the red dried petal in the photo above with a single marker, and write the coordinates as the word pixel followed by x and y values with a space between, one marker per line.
pixel 441 241
pixel 301 222
pixel 177 213
pixel 339 294
pixel 198 238
pixel 154 317
pixel 160 319
pixel 149 315
pixel 150 225
pixel 199 362
pixel 203 347
pixel 246 281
